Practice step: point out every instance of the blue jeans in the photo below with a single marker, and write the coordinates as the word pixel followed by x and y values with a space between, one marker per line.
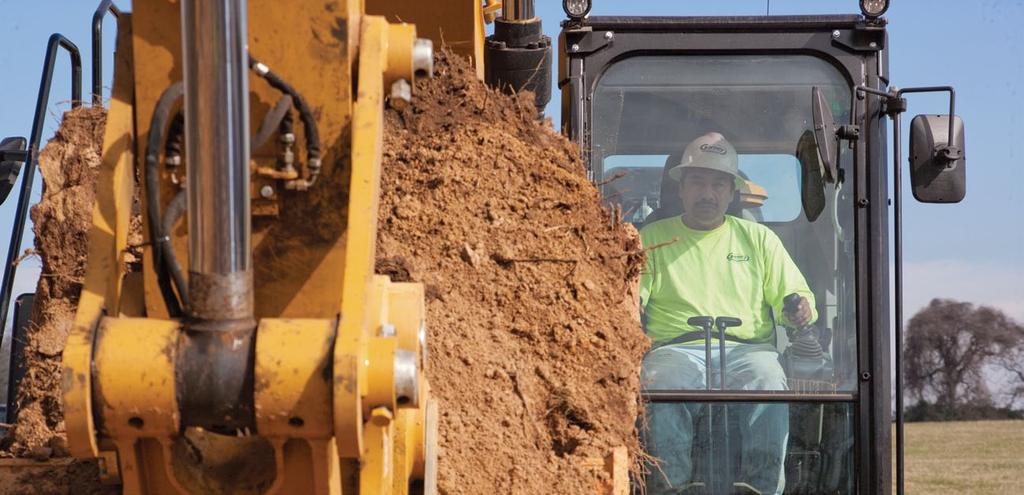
pixel 764 428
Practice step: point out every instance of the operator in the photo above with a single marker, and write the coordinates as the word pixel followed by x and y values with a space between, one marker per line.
pixel 707 263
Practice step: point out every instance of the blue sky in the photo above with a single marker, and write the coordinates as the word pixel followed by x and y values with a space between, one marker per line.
pixel 971 251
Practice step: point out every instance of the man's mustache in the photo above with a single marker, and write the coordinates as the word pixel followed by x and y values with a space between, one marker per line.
pixel 707 203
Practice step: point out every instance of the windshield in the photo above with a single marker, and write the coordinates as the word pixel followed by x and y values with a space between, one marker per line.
pixel 748 290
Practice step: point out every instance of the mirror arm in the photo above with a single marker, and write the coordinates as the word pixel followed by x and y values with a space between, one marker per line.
pixel 869 90
pixel 896 104
pixel 849 132
pixel 946 153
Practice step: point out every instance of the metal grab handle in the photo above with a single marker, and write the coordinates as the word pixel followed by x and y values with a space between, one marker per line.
pixel 723 322
pixel 56 41
pixel 97 47
pixel 704 323
pixel 725 457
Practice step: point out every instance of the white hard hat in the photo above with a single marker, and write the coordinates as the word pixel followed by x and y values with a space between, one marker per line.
pixel 711 151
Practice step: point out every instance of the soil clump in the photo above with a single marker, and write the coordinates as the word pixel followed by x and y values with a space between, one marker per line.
pixel 69 166
pixel 534 340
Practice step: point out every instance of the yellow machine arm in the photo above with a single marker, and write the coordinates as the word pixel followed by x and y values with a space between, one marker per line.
pixel 331 396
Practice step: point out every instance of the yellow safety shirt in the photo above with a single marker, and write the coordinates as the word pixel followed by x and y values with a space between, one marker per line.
pixel 739 269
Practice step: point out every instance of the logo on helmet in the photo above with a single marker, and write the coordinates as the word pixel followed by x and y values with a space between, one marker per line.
pixel 710 148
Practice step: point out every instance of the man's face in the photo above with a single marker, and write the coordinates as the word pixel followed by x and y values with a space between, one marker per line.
pixel 706 195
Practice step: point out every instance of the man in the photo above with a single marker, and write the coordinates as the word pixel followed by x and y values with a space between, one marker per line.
pixel 708 263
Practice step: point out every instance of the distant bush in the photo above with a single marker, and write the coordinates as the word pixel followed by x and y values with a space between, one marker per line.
pixel 927 411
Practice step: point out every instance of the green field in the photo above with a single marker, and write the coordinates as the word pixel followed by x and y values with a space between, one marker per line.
pixel 965 458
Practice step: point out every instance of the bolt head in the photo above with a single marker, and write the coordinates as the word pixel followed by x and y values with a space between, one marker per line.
pixel 835 34
pixel 873 44
pixel 267 192
pixel 574 47
pixel 423 57
pixel 608 35
pixel 401 94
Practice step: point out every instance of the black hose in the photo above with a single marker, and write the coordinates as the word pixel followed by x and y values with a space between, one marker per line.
pixel 175 209
pixel 308 120
pixel 175 135
pixel 287 123
pixel 273 120
pixel 157 124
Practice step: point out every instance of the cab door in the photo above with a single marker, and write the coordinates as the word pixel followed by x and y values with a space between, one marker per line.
pixel 636 91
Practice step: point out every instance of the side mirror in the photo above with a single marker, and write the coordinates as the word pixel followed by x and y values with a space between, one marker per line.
pixel 824 133
pixel 937 166
pixel 12 157
pixel 812 185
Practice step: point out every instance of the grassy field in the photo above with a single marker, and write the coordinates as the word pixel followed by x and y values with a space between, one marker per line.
pixel 965 458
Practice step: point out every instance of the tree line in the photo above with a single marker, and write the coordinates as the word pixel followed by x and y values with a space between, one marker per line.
pixel 963 362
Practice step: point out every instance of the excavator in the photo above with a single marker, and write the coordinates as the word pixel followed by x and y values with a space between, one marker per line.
pixel 164 380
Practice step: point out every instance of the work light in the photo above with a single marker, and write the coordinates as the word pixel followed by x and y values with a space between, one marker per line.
pixel 576 9
pixel 873 8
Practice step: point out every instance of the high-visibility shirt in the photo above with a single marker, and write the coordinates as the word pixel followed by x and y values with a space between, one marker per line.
pixel 739 269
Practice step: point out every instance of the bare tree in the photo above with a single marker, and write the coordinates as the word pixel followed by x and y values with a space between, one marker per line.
pixel 948 346
pixel 1013 363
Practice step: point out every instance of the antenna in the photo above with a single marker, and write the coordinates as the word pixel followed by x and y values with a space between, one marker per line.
pixel 768 7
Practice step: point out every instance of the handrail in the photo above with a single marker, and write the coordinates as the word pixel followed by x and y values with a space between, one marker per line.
pixel 105 6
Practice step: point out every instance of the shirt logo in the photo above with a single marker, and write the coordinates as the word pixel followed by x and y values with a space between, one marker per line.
pixel 737 257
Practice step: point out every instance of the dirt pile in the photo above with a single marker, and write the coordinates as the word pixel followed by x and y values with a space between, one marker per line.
pixel 534 343
pixel 69 165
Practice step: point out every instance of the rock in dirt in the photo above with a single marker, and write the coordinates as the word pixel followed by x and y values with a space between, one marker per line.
pixel 535 346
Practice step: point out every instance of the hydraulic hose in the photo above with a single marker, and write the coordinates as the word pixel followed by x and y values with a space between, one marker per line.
pixel 165 261
pixel 175 210
pixel 273 120
pixel 175 136
pixel 305 114
pixel 161 242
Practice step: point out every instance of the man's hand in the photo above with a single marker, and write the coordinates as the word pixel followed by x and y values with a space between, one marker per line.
pixel 801 315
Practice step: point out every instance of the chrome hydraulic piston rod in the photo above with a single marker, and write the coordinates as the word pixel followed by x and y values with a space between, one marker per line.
pixel 517 10
pixel 215 364
pixel 217 143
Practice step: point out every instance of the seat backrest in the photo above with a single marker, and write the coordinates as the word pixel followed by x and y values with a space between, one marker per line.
pixel 669 204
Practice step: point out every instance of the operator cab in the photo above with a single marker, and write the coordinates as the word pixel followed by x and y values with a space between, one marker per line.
pixel 805 101
pixel 636 91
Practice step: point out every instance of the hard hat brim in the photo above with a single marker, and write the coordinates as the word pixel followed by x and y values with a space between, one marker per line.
pixel 676 174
